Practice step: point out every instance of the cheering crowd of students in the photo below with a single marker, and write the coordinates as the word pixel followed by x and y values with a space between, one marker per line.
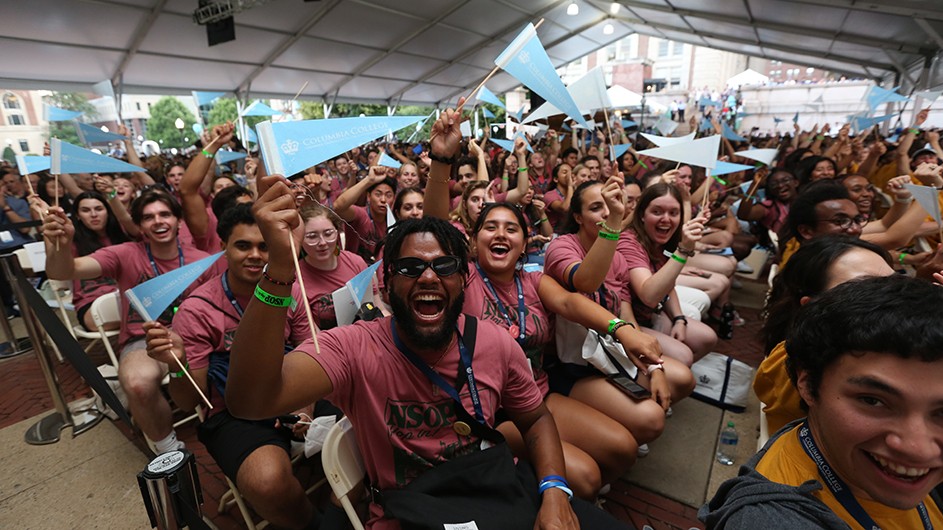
pixel 642 250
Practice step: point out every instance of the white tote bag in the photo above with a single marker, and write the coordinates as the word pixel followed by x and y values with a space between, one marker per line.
pixel 723 382
pixel 578 345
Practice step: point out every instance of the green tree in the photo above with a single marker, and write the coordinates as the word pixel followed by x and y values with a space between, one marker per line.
pixel 9 155
pixel 312 110
pixel 66 130
pixel 225 109
pixel 161 127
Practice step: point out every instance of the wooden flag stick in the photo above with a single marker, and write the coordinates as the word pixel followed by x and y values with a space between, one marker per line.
pixel 192 382
pixel 612 152
pixel 29 184
pixel 303 87
pixel 707 190
pixel 57 202
pixel 304 293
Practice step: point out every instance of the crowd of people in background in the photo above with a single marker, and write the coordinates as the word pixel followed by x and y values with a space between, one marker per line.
pixel 643 250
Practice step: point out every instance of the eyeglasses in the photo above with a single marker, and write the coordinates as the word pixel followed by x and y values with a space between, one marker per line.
pixel 329 236
pixel 414 267
pixel 845 222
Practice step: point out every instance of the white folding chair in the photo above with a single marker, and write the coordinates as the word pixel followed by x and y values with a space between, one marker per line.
pixel 106 309
pixel 343 467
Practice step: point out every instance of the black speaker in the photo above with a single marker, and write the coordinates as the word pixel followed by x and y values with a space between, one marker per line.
pixel 221 31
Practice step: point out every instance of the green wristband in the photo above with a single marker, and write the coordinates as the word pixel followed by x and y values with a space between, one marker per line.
pixel 271 299
pixel 113 194
pixel 678 258
pixel 901 258
pixel 521 169
pixel 208 154
pixel 913 130
pixel 608 235
pixel 181 373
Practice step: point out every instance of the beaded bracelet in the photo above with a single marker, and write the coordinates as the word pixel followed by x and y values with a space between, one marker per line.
pixel 277 282
pixel 603 226
pixel 441 159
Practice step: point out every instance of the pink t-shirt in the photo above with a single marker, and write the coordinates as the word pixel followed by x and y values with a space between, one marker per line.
pixel 555 219
pixel 538 328
pixel 403 422
pixel 320 284
pixel 367 231
pixel 84 292
pixel 635 257
pixel 129 265
pixel 207 322
pixel 567 250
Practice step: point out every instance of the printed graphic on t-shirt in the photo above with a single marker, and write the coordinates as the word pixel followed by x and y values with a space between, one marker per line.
pixel 410 421
pixel 323 309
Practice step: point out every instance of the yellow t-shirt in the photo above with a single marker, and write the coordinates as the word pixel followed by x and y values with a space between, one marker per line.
pixel 787 463
pixel 775 389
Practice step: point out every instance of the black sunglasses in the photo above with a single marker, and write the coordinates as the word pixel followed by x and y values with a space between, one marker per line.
pixel 414 267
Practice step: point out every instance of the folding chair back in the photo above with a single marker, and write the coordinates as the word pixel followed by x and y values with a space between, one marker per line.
pixel 343 467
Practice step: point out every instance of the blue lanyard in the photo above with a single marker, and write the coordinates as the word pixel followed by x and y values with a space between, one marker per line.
pixel 521 322
pixel 437 379
pixel 228 292
pixel 150 257
pixel 840 490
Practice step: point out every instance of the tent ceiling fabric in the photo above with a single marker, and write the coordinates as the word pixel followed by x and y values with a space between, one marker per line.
pixel 427 51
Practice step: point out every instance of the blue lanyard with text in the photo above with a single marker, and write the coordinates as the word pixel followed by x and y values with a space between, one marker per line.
pixel 840 490
pixel 150 257
pixel 522 324
pixel 437 379
pixel 228 292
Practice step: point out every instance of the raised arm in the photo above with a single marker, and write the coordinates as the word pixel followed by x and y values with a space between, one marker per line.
pixel 107 188
pixel 133 157
pixel 523 177
pixel 653 288
pixel 476 151
pixel 263 382
pixel 343 205
pixel 907 141
pixel 443 145
pixel 58 232
pixel 592 270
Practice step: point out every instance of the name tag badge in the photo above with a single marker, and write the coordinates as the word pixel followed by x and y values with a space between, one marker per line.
pixel 461 526
pixel 6 236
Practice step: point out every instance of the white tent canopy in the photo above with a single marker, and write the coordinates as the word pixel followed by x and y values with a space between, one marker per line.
pixel 430 51
pixel 747 77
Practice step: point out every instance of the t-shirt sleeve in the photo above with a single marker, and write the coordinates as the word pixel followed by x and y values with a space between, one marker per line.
pixel 299 330
pixel 197 332
pixel 559 256
pixel 109 259
pixel 632 251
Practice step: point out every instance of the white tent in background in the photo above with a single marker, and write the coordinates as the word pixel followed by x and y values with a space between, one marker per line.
pixel 747 77
pixel 623 98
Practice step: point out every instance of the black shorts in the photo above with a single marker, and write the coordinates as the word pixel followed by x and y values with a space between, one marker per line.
pixel 80 316
pixel 231 440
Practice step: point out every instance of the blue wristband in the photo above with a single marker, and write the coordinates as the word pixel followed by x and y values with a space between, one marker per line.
pixel 546 485
pixel 558 478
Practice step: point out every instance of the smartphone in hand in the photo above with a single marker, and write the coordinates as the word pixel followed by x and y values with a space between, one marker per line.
pixel 629 387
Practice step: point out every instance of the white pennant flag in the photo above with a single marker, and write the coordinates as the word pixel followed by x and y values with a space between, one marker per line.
pixel 701 152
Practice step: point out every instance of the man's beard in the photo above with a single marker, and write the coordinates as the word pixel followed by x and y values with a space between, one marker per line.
pixel 437 339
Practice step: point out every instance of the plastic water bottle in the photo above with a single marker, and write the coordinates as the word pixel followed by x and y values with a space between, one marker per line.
pixel 727 448
pixel 725 329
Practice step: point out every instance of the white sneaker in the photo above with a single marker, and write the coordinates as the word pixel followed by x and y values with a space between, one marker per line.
pixel 669 412
pixel 643 451
pixel 744 267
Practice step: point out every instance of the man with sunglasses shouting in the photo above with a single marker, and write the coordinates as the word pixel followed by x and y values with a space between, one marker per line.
pixel 421 388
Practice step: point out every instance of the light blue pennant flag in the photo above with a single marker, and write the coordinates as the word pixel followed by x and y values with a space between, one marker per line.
pixel 487 113
pixel 508 145
pixel 206 98
pixel 724 168
pixel 892 139
pixel 862 123
pixel 705 125
pixel 730 134
pixel 701 152
pixel 795 119
pixel 526 60
pixel 225 157
pixel 877 96
pixel 760 192
pixel 197 128
pixel 68 158
pixel 386 160
pixel 349 298
pixel 251 136
pixel 32 164
pixel 57 114
pixel 257 108
pixel 292 146
pixel 778 120
pixel 519 115
pixel 154 296
pixel 619 150
pixel 488 97
pixel 93 135
pixel 566 127
pixel 628 124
